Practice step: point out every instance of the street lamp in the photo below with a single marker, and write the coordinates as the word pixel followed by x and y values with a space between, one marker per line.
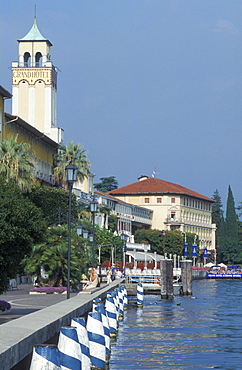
pixel 79 230
pixel 124 238
pixel 71 176
pixel 163 235
pixel 185 246
pixel 93 209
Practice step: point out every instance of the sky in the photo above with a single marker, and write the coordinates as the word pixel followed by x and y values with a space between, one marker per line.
pixel 143 85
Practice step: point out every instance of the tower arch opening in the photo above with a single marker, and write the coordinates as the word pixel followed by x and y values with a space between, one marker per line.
pixel 38 59
pixel 26 59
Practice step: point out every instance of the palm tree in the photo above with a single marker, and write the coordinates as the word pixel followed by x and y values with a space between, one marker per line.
pixel 71 153
pixel 16 162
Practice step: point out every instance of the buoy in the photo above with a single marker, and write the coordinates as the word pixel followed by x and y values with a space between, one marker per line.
pixel 112 316
pixel 80 325
pixel 45 356
pixel 106 328
pixel 140 295
pixel 69 349
pixel 96 338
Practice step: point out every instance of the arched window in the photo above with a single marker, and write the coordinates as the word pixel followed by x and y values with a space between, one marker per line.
pixel 38 59
pixel 26 59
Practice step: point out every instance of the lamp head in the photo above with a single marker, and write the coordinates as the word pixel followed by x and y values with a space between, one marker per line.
pixel 71 173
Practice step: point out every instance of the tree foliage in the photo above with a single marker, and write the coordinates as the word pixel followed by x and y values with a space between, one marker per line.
pixel 51 255
pixel 53 203
pixel 21 225
pixel 107 184
pixel 217 218
pixel 230 252
pixel 106 239
pixel 16 163
pixel 71 153
pixel 172 242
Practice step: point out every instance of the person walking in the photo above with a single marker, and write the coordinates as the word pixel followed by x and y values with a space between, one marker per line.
pixel 109 276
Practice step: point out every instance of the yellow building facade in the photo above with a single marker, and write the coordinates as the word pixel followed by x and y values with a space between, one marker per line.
pixel 43 147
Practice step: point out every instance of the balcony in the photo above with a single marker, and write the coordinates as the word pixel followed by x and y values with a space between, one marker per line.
pixel 45 177
pixel 186 221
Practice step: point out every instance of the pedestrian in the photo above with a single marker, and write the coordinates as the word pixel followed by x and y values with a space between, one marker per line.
pixel 109 275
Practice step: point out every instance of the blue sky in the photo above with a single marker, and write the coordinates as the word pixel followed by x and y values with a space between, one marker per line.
pixel 144 84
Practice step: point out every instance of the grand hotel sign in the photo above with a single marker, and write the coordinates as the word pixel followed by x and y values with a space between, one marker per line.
pixel 31 76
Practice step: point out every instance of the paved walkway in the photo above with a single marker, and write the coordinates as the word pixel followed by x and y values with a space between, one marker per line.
pixel 23 303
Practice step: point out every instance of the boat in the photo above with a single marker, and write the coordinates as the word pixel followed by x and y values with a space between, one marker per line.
pixel 217 273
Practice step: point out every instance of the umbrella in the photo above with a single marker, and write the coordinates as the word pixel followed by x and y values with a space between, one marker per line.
pixel 209 264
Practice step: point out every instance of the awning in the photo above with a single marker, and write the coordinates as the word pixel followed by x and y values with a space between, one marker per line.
pixel 149 257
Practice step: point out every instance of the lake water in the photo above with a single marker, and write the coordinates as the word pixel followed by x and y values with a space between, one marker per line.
pixel 199 332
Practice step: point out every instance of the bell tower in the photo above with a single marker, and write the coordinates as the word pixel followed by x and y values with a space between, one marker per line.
pixel 34 84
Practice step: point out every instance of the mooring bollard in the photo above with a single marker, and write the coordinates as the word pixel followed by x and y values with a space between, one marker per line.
pixel 106 328
pixel 97 304
pixel 69 349
pixel 125 295
pixel 114 295
pixel 96 338
pixel 112 315
pixel 45 356
pixel 140 294
pixel 121 304
pixel 80 325
pixel 166 287
pixel 186 277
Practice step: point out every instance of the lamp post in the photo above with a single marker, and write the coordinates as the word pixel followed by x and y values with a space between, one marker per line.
pixel 71 176
pixel 185 246
pixel 146 250
pixel 194 251
pixel 163 235
pixel 124 238
pixel 205 253
pixel 93 209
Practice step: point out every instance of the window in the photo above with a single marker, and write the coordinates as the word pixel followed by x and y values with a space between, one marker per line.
pixel 173 200
pixel 26 59
pixel 38 60
pixel 159 200
pixel 147 200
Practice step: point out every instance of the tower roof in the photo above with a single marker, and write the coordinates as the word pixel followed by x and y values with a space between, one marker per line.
pixel 34 34
pixel 153 185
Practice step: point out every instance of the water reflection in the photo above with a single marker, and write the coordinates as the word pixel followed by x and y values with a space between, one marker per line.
pixel 203 332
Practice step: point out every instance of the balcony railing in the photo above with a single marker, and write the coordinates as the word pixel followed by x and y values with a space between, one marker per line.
pixel 186 221
pixel 45 177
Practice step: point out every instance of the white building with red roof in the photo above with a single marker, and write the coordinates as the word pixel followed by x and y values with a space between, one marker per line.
pixel 174 207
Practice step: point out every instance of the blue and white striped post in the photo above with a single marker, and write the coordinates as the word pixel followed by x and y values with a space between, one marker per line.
pixel 125 297
pixel 80 325
pixel 140 295
pixel 69 349
pixel 121 304
pixel 96 338
pixel 45 356
pixel 112 315
pixel 97 304
pixel 114 295
pixel 106 328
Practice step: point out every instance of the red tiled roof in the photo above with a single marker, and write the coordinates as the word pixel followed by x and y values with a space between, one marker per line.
pixel 153 185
